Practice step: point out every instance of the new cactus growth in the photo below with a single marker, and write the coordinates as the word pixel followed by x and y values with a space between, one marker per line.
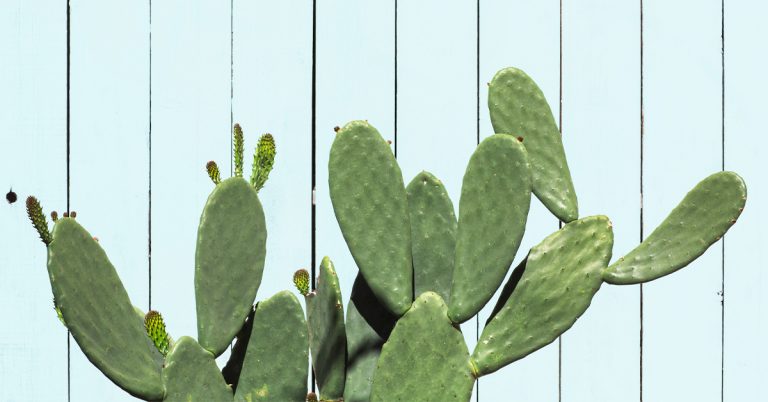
pixel 153 323
pixel 422 272
pixel 263 161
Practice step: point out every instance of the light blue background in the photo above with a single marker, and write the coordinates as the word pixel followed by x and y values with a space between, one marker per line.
pixel 252 64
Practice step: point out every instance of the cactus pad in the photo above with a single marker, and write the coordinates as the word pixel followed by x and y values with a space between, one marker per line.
pixel 518 107
pixel 701 219
pixel 560 277
pixel 368 327
pixel 191 375
pixel 327 335
pixel 229 262
pixel 371 206
pixel 433 235
pixel 276 361
pixel 495 197
pixel 100 316
pixel 425 358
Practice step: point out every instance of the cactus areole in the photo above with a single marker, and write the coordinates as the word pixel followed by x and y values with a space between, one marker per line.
pixel 422 271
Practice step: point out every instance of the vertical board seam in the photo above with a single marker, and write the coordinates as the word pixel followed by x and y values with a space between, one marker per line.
pixel 477 127
pixel 722 167
pixel 149 186
pixel 69 47
pixel 313 124
pixel 559 222
pixel 642 134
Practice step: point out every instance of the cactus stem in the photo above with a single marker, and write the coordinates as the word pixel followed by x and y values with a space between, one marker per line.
pixel 238 145
pixel 35 213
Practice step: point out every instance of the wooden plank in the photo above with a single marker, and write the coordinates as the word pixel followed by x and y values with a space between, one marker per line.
pixel 272 81
pixel 524 35
pixel 190 126
pixel 601 133
pixel 682 146
pixel 109 154
pixel 33 159
pixel 355 80
pixel 745 282
pixel 437 96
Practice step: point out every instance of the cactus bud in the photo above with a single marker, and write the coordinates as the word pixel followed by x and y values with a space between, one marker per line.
pixel 54 216
pixel 311 397
pixel 73 214
pixel 35 213
pixel 263 161
pixel 66 214
pixel 213 172
pixel 301 280
pixel 336 129
pixel 238 146
pixel 153 323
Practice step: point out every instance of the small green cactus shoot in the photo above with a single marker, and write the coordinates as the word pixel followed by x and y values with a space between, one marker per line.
pixel 263 161
pixel 238 145
pixel 301 280
pixel 213 172
pixel 155 326
pixel 35 213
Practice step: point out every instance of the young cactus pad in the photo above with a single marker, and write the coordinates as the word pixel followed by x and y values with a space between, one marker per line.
pixel 229 262
pixel 371 206
pixel 493 210
pixel 191 374
pixel 518 107
pixel 101 318
pixel 701 219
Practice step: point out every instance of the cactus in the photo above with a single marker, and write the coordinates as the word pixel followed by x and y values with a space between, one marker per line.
pixel 421 273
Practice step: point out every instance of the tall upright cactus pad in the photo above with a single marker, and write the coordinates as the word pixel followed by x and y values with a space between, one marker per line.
pixel 518 107
pixel 425 358
pixel 99 313
pixel 371 206
pixel 276 361
pixel 229 262
pixel 495 197
pixel 433 235
pixel 191 375
pixel 701 219
pixel 327 335
pixel 561 275
pixel 368 326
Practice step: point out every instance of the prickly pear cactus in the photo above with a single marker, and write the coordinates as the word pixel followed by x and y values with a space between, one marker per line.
pixel 422 272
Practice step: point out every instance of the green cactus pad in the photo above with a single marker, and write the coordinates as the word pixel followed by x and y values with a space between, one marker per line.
pixel 495 197
pixel 560 277
pixel 701 219
pixel 368 327
pixel 518 107
pixel 276 361
pixel 234 366
pixel 433 235
pixel 229 262
pixel 371 206
pixel 425 358
pixel 100 315
pixel 191 375
pixel 327 337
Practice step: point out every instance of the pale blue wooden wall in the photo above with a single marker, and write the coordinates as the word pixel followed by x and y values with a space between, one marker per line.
pixel 155 87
